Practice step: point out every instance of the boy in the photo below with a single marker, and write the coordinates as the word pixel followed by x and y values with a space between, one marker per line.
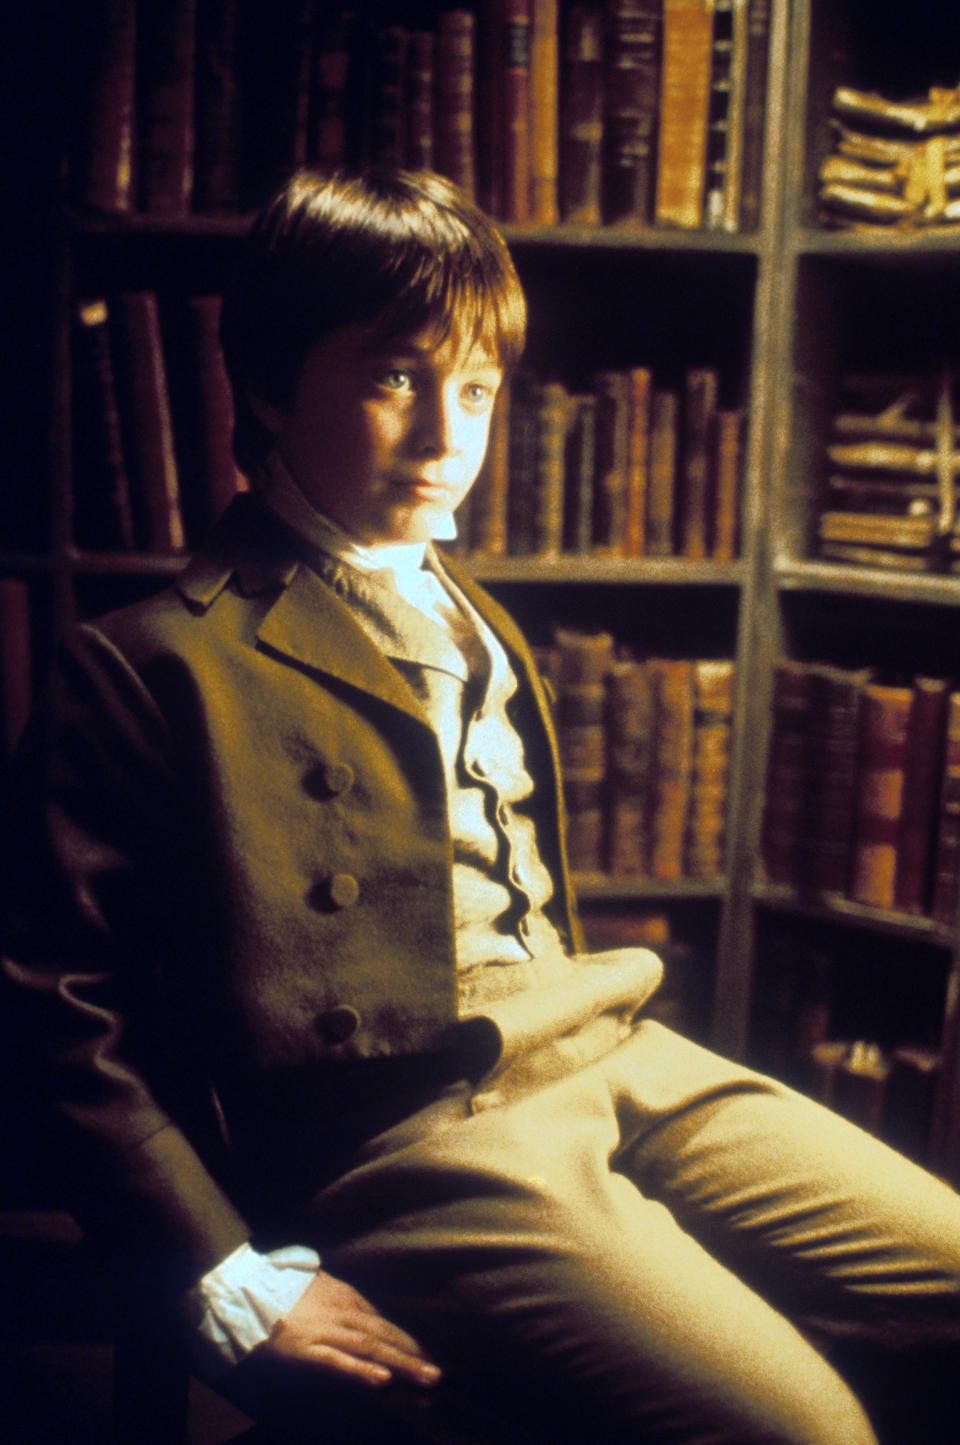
pixel 289 903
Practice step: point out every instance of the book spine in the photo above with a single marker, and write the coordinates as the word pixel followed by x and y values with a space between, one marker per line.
pixel 217 106
pixel 736 118
pixel 610 478
pixel 926 729
pixel 631 102
pixel 102 517
pixel 15 661
pixel 554 411
pixel 830 782
pixel 713 683
pixel 946 888
pixel 640 385
pixel 787 773
pixel 664 441
pixel 105 150
pixel 581 116
pixel 579 469
pixel 544 100
pixel 671 763
pixel 328 120
pixel 147 421
pixel 729 427
pixel 524 445
pixel 696 495
pixel 879 804
pixel 628 729
pixel 165 77
pixel 421 81
pixel 489 498
pixel 684 99
pixel 515 108
pixel 754 107
pixel 456 60
pixel 583 662
pixel 718 115
pixel 389 122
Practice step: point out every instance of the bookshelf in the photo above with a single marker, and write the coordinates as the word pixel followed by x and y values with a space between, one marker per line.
pixel 778 308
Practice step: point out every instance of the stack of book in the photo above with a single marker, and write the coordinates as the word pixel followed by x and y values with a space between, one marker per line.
pixel 152 423
pixel 626 469
pixel 863 789
pixel 645 753
pixel 619 112
pixel 893 464
pixel 894 163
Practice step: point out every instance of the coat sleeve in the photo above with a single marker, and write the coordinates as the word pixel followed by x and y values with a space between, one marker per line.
pixel 94 832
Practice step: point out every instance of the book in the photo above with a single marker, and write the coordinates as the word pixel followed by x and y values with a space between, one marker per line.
pixel 15 661
pixel 581 115
pixel 664 440
pixel 628 720
pixel 166 56
pixel 631 97
pixel 787 774
pixel 731 188
pixel 104 149
pixel 671 763
pixel 830 776
pixel 926 728
pixel 720 123
pixel 860 1085
pixel 455 71
pixel 754 112
pixel 696 471
pixel 612 447
pixel 488 498
pixel 684 99
pixel 388 144
pixel 579 469
pixel 513 89
pixel 102 517
pixel 879 797
pixel 421 84
pixel 729 428
pixel 544 101
pixel 705 841
pixel 548 488
pixel 946 881
pixel 524 456
pixel 216 184
pixel 147 424
pixel 639 388
pixel 329 115
pixel 583 660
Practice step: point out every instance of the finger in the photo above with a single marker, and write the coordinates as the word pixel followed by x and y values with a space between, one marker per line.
pixel 398 1359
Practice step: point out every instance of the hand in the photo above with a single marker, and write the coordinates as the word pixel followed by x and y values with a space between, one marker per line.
pixel 336 1329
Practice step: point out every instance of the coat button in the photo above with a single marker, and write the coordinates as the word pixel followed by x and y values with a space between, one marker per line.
pixel 338 777
pixel 344 889
pixel 339 1024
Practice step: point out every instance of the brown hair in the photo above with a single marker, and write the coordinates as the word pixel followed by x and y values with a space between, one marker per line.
pixel 396 250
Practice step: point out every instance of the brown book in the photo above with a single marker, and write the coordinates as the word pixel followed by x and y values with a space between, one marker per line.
pixel 456 60
pixel 105 148
pixel 729 427
pixel 524 455
pixel 705 843
pixel 718 115
pixel 754 111
pixel 421 83
pixel 612 389
pixel 664 441
pixel 217 106
pixel 488 499
pixel 629 717
pixel 583 659
pixel 15 660
pixel 581 115
pixel 671 763
pixel 684 99
pixel 696 504
pixel 631 81
pixel 926 729
pixel 388 145
pixel 166 57
pixel 147 423
pixel 736 117
pixel 579 469
pixel 640 385
pixel 787 774
pixel 879 801
pixel 329 111
pixel 829 782
pixel 102 516
pixel 946 885
pixel 552 422
pixel 513 87
pixel 544 101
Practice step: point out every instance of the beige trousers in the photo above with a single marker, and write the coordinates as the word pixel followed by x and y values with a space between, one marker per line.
pixel 655 1244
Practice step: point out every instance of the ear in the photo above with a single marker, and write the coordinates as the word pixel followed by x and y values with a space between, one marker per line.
pixel 271 416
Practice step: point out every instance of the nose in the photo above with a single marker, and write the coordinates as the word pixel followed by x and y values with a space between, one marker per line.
pixel 436 422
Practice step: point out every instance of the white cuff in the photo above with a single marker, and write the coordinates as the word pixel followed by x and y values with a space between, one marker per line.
pixel 241 1299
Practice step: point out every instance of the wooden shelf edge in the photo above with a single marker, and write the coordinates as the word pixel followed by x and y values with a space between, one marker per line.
pixel 600 888
pixel 795 576
pixel 834 908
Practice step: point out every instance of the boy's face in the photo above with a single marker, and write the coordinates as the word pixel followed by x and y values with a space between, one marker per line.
pixel 386 438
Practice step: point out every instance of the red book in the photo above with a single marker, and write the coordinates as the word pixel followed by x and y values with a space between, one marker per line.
pixel 456 61
pixel 581 116
pixel 15 660
pixel 879 804
pixel 389 138
pixel 631 101
pixel 921 787
pixel 106 86
pixel 327 123
pixel 217 106
pixel 946 885
pixel 165 77
pixel 421 82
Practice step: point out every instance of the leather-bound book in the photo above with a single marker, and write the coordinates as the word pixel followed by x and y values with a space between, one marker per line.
pixel 488 499
pixel 579 469
pixel 705 844
pixel 548 491
pixel 166 39
pixel 696 503
pixel 328 122
pixel 15 661
pixel 456 61
pixel 544 102
pixel 640 386
pixel 754 110
pixel 946 882
pixel 829 788
pixel 922 781
pixel 388 144
pixel 421 83
pixel 513 89
pixel 104 150
pixel 631 97
pixel 102 516
pixel 148 437
pixel 787 775
pixel 629 718
pixel 671 763
pixel 581 115
pixel 583 659
pixel 879 803
pixel 729 427
pixel 612 390
pixel 684 101
pixel 524 455
pixel 216 185
pixel 661 497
